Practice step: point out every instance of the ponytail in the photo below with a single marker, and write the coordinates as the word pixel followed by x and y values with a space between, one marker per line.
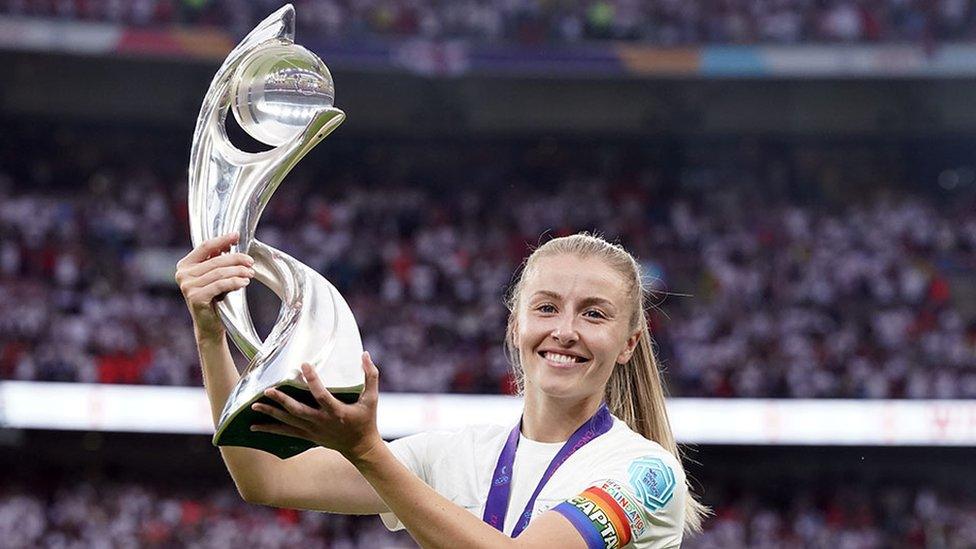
pixel 634 392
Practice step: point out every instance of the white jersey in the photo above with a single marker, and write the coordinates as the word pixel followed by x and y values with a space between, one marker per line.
pixel 619 490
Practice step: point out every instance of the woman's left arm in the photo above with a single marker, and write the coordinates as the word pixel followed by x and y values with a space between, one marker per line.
pixel 429 517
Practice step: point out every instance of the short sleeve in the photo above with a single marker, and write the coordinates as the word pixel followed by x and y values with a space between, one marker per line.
pixel 640 505
pixel 412 451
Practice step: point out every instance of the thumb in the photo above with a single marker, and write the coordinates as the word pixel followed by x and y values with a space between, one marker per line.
pixel 371 389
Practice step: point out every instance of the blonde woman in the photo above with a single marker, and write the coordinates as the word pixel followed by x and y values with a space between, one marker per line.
pixel 592 463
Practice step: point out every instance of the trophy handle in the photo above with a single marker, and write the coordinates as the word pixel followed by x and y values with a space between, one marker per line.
pixel 259 175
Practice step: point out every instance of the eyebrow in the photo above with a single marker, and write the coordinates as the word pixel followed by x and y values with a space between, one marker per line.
pixel 587 301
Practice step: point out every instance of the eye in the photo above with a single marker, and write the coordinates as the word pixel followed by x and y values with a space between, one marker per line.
pixel 595 313
pixel 546 308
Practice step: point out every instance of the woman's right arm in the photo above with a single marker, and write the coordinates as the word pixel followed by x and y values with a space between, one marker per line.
pixel 319 479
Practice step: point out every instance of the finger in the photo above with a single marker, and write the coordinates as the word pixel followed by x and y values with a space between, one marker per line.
pixel 282 416
pixel 222 260
pixel 371 392
pixel 212 247
pixel 284 430
pixel 203 296
pixel 221 273
pixel 322 395
pixel 292 406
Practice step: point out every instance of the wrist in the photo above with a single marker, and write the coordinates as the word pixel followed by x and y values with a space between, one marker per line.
pixel 366 452
pixel 214 336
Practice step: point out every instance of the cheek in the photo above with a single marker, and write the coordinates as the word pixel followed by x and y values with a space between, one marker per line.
pixel 522 338
pixel 530 331
pixel 612 343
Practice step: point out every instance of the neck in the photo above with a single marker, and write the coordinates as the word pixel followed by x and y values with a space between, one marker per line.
pixel 547 419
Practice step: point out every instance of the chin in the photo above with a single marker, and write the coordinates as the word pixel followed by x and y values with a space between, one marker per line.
pixel 555 390
pixel 562 386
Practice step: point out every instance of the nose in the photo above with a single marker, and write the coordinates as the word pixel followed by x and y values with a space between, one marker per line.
pixel 565 332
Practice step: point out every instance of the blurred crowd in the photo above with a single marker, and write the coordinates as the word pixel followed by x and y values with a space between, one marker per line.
pixel 850 517
pixel 137 515
pixel 535 22
pixel 770 275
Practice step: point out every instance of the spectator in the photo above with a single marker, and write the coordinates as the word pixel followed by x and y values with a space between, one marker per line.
pixel 795 301
pixel 528 22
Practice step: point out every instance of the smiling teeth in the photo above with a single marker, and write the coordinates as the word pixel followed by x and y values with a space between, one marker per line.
pixel 555 357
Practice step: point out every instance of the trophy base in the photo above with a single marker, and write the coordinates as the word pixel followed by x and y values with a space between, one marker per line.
pixel 237 431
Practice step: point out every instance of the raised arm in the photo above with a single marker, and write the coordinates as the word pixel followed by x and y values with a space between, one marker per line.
pixel 320 478
pixel 432 520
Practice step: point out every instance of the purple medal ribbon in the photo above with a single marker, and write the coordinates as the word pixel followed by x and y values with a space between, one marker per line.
pixel 501 481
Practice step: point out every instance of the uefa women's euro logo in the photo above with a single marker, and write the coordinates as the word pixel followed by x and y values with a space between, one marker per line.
pixel 653 481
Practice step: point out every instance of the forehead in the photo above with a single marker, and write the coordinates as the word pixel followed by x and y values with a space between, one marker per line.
pixel 575 277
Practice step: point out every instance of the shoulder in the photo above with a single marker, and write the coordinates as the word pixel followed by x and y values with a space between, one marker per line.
pixel 623 447
pixel 456 463
pixel 652 473
pixel 636 485
pixel 470 435
pixel 430 446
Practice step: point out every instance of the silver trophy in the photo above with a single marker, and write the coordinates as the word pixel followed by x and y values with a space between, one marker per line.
pixel 281 95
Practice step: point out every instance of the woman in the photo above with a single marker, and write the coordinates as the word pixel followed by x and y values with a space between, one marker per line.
pixel 592 463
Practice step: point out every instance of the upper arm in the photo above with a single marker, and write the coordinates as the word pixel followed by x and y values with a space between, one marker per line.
pixel 551 529
pixel 320 479
pixel 642 504
pixel 588 520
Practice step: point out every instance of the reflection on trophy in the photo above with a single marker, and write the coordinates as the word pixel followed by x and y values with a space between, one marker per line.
pixel 281 94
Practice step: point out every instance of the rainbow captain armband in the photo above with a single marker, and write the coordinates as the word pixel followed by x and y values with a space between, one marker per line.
pixel 598 518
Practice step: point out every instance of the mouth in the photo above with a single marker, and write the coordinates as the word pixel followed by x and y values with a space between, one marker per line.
pixel 561 359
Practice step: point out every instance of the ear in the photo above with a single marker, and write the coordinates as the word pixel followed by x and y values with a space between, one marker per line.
pixel 628 351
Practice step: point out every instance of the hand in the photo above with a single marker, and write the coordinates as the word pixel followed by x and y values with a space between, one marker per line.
pixel 349 429
pixel 206 274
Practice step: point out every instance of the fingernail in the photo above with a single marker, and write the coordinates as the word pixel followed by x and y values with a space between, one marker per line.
pixel 254 406
pixel 249 259
pixel 247 281
pixel 254 427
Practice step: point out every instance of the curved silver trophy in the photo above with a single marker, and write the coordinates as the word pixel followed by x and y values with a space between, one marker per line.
pixel 281 95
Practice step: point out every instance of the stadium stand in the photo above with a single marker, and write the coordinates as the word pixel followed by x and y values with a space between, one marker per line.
pixel 532 22
pixel 102 514
pixel 830 296
pixel 795 176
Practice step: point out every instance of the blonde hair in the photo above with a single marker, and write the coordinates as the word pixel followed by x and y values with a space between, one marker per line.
pixel 634 392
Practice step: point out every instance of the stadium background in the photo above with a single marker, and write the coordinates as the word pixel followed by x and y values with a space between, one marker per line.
pixel 797 178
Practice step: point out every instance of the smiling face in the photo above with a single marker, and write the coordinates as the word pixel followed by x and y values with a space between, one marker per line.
pixel 573 325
